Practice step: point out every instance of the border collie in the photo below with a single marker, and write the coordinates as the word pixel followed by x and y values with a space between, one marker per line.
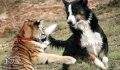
pixel 88 39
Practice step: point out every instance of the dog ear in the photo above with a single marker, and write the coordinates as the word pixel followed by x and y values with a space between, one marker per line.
pixel 65 2
pixel 83 2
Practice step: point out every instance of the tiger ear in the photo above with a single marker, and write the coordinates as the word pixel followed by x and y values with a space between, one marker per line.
pixel 38 22
pixel 41 22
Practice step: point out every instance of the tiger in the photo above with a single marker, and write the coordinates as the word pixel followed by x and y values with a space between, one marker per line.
pixel 28 49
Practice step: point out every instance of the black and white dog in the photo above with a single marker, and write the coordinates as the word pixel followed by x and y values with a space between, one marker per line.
pixel 88 39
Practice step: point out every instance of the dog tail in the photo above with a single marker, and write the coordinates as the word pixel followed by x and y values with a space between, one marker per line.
pixel 57 43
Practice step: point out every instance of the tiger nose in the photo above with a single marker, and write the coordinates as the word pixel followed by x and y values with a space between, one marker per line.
pixel 69 22
pixel 43 34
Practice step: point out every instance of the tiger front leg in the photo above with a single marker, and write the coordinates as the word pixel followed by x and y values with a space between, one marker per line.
pixel 44 58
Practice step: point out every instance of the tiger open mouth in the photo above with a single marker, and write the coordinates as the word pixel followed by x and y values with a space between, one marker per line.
pixel 41 39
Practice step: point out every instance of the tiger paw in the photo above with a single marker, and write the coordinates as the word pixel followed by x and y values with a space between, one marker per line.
pixel 69 60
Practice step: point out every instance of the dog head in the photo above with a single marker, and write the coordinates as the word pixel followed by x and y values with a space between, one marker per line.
pixel 35 30
pixel 76 11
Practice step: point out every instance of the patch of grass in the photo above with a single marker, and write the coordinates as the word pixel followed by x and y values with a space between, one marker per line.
pixel 62 26
pixel 37 1
pixel 112 31
pixel 114 55
pixel 62 31
pixel 108 9
pixel 99 12
pixel 1 10
pixel 1 41
pixel 17 2
pixel 103 10
pixel 3 53
pixel 43 1
pixel 100 5
pixel 7 38
pixel 5 50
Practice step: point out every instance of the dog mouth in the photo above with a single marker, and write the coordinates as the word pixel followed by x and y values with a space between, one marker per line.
pixel 74 25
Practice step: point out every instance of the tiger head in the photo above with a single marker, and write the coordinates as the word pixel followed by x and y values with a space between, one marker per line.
pixel 35 30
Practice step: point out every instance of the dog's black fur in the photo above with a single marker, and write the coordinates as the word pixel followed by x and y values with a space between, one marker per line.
pixel 72 44
pixel 72 48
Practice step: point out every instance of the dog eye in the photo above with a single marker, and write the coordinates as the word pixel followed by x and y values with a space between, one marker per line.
pixel 81 12
pixel 73 10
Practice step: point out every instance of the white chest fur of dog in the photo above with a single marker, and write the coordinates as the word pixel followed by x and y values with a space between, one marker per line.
pixel 89 39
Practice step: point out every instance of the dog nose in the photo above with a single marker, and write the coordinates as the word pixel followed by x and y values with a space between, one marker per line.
pixel 69 22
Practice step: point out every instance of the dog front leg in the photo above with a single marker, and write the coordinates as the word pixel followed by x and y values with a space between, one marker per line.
pixel 97 61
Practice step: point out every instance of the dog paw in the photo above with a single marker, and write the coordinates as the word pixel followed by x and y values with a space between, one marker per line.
pixel 46 42
pixel 105 61
pixel 99 64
